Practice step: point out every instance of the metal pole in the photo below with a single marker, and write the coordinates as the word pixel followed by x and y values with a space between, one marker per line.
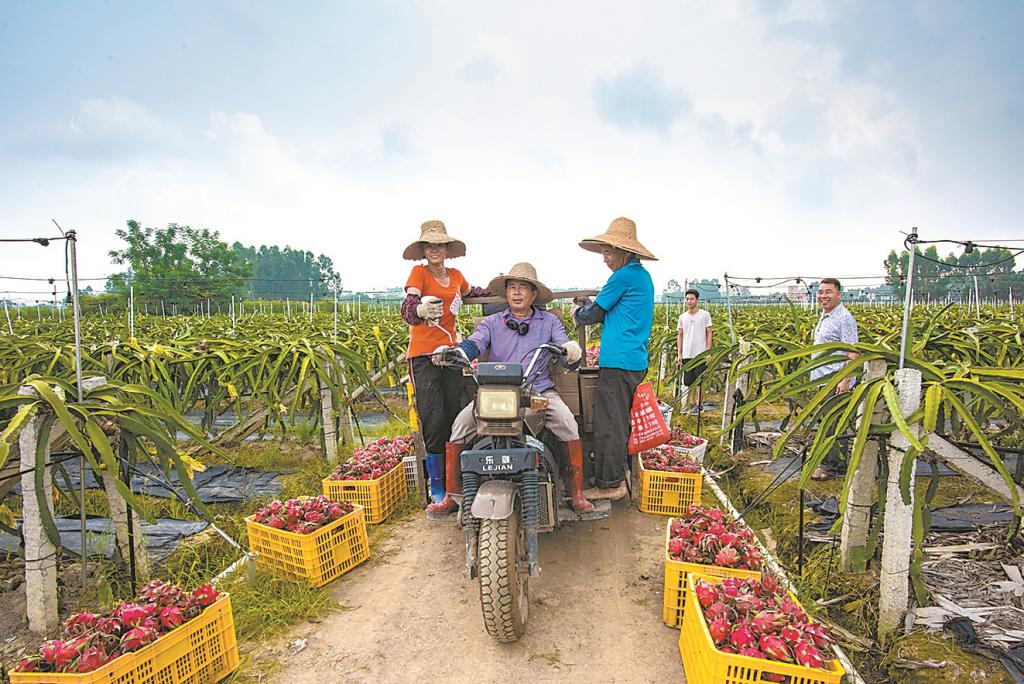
pixel 908 302
pixel 73 244
pixel 336 312
pixel 131 311
pixel 7 313
pixel 728 305
pixel 310 307
pixel 232 312
pixel 977 297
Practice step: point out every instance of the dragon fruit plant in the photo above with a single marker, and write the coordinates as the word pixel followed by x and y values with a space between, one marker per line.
pixel 93 640
pixel 302 516
pixel 375 459
pixel 707 536
pixel 756 618
pixel 670 459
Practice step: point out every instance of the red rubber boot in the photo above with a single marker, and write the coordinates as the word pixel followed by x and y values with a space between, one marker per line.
pixel 452 479
pixel 579 504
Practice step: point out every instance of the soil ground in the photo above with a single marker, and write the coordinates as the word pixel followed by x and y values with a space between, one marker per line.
pixel 410 615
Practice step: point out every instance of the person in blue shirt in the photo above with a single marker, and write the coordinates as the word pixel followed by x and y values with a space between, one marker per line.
pixel 625 307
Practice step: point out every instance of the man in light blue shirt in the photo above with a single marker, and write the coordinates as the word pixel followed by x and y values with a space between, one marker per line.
pixel 625 306
pixel 836 324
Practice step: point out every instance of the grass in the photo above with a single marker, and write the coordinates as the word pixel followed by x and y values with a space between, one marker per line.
pixel 266 605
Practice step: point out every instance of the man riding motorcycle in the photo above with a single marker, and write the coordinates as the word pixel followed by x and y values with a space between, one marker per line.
pixel 510 336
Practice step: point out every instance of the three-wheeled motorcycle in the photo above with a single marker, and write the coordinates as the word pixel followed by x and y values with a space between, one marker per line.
pixel 513 478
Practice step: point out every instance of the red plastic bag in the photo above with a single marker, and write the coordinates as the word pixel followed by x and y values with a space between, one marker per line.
pixel 647 425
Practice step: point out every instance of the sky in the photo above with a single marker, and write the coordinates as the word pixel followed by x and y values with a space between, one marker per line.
pixel 763 138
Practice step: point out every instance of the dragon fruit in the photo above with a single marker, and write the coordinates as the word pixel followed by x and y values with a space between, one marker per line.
pixel 79 624
pixel 719 630
pixel 30 663
pixel 92 658
pixel 768 621
pixel 774 647
pixel 718 610
pixel 706 593
pixel 137 637
pixel 171 617
pixel 807 655
pixel 205 595
pixel 742 637
pixel 752 652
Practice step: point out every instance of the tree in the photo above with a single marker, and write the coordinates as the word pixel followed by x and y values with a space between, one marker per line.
pixel 953 277
pixel 287 272
pixel 177 264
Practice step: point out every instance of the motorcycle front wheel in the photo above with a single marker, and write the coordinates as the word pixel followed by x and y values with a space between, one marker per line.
pixel 504 579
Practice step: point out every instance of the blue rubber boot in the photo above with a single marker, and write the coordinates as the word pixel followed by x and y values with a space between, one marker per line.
pixel 435 471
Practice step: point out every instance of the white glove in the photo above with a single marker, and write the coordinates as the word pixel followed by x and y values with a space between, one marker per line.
pixel 430 308
pixel 573 353
pixel 437 357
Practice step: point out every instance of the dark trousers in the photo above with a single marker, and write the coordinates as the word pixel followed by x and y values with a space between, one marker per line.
pixel 438 400
pixel 615 389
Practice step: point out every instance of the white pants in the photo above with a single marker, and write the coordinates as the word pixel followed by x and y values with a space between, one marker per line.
pixel 557 418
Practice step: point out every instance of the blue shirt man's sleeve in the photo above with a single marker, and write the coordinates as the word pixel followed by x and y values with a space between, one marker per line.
pixel 612 291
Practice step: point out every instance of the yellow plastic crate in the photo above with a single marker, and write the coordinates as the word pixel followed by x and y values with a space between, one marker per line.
pixel 202 651
pixel 318 557
pixel 379 497
pixel 704 663
pixel 675 581
pixel 664 493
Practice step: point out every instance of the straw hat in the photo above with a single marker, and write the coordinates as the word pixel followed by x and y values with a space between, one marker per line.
pixel 521 271
pixel 434 233
pixel 622 234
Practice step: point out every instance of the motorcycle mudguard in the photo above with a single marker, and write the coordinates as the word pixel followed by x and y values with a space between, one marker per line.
pixel 495 500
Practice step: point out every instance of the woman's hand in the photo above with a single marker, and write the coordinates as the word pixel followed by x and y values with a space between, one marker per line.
pixel 430 308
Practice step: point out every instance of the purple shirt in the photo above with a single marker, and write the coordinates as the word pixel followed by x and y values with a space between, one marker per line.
pixel 507 345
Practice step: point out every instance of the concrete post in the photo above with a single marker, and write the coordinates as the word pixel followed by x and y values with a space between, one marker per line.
pixel 40 553
pixel 119 518
pixel 327 417
pixel 857 517
pixel 740 382
pixel 897 540
pixel 347 433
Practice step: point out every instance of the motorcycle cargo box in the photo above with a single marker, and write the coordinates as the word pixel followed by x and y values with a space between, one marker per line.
pixel 500 373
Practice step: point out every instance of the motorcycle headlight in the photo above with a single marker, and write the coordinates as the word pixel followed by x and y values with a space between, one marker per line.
pixel 498 403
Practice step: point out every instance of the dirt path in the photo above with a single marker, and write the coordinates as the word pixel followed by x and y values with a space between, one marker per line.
pixel 595 612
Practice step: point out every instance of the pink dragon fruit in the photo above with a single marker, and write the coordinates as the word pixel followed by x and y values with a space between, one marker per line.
pixel 132 614
pixel 807 655
pixel 768 621
pixel 775 648
pixel 29 664
pixel 137 637
pixel 205 595
pixel 79 624
pixel 719 630
pixel 790 634
pixel 92 658
pixel 727 557
pixel 676 546
pixel 706 593
pixel 751 652
pixel 742 637
pixel 171 617
pixel 716 610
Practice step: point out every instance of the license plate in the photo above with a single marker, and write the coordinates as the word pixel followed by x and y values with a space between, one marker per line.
pixel 499 461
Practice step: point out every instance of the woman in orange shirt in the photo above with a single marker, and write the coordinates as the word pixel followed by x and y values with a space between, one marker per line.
pixel 434 295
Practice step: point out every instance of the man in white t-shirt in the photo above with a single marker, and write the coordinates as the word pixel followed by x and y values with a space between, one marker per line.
pixel 693 338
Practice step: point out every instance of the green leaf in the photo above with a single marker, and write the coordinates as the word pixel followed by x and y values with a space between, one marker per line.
pixel 14 427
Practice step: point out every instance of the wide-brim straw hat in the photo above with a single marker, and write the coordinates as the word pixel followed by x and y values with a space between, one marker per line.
pixel 622 234
pixel 434 233
pixel 521 271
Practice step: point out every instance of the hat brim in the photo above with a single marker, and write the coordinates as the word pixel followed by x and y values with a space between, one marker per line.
pixel 595 244
pixel 414 252
pixel 497 287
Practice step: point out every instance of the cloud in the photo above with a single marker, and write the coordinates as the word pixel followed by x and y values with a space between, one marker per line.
pixel 637 99
pixel 480 70
pixel 101 129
